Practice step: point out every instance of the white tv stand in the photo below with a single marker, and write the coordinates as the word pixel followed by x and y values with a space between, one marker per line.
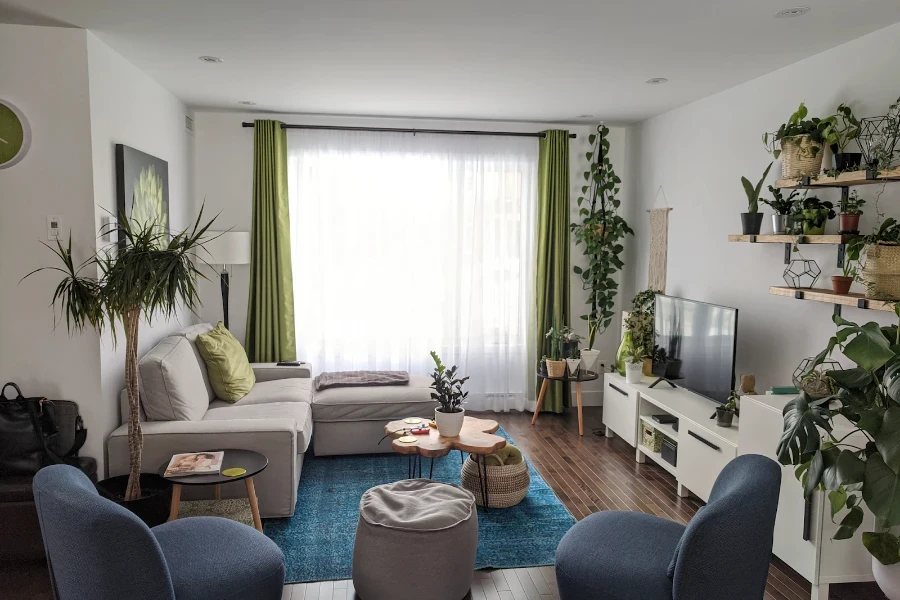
pixel 703 448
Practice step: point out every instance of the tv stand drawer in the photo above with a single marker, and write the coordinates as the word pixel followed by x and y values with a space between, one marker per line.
pixel 620 410
pixel 701 457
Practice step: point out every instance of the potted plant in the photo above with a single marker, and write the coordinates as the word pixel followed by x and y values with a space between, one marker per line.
pixel 448 390
pixel 860 466
pixel 851 210
pixel 600 233
pixel 573 361
pixel 881 269
pixel 811 214
pixel 542 368
pixel 782 207
pixel 570 340
pixel 879 139
pixel 751 221
pixel 840 284
pixel 151 274
pixel 801 141
pixel 844 130
pixel 556 360
pixel 725 412
pixel 634 364
pixel 640 325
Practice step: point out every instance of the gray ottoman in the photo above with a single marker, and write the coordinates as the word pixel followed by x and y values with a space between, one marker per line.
pixel 415 539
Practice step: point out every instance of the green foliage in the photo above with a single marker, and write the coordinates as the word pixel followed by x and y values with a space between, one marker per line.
pixel 601 232
pixel 635 354
pixel 779 203
pixel 798 125
pixel 853 204
pixel 812 211
pixel 753 192
pixel 641 319
pixel 556 339
pixel 732 401
pixel 448 388
pixel 887 234
pixel 881 151
pixel 866 467
pixel 844 129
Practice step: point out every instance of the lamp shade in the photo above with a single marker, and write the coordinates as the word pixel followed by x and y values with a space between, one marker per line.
pixel 226 248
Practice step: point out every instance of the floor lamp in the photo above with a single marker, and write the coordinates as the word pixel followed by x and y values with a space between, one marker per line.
pixel 227 248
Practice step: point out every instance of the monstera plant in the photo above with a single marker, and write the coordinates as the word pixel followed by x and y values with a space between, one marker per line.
pixel 862 463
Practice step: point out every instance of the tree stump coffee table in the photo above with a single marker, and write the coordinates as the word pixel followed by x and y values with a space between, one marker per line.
pixel 476 437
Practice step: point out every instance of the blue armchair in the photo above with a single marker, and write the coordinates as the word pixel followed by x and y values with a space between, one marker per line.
pixel 722 554
pixel 99 550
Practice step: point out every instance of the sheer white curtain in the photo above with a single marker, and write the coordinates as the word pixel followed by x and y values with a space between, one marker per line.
pixel 406 243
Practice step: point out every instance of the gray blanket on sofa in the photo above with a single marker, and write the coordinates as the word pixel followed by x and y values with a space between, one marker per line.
pixel 360 379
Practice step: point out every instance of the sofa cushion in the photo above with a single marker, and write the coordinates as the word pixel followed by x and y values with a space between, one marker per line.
pixel 375 403
pixel 172 386
pixel 299 411
pixel 229 370
pixel 273 392
pixel 191 334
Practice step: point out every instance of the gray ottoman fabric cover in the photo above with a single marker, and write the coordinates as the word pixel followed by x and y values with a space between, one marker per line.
pixel 415 539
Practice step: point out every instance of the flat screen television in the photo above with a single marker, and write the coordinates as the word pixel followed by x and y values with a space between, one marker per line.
pixel 699 341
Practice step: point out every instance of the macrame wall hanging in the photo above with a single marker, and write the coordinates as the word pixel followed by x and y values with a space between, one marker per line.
pixel 659 244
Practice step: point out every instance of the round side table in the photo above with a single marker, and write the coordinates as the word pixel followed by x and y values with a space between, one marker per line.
pixel 583 375
pixel 253 462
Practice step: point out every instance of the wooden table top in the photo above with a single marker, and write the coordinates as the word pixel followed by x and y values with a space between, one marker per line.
pixel 476 437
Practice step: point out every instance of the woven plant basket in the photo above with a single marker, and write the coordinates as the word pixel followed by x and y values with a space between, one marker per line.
pixel 797 158
pixel 556 368
pixel 507 484
pixel 881 274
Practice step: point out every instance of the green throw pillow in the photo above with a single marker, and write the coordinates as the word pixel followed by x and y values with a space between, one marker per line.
pixel 230 374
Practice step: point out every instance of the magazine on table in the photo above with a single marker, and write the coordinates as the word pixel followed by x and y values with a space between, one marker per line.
pixel 195 463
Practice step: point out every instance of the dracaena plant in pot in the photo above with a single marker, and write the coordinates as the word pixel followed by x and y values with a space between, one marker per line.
pixel 448 390
pixel 751 221
pixel 151 274
pixel 782 206
pixel 846 444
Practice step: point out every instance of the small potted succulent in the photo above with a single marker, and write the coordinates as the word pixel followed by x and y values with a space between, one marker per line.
pixel 844 130
pixel 725 413
pixel 812 214
pixel 781 220
pixel 448 390
pixel 841 283
pixel 751 221
pixel 634 364
pixel 556 359
pixel 573 361
pixel 851 210
pixel 570 339
pixel 801 141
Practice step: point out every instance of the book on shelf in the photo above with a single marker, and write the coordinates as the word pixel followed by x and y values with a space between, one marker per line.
pixel 195 463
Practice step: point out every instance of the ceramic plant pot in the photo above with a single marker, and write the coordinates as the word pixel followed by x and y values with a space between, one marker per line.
pixel 634 372
pixel 751 223
pixel 841 285
pixel 810 229
pixel 847 161
pixel 573 365
pixel 589 359
pixel 888 578
pixel 724 417
pixel 648 367
pixel 449 424
pixel 152 507
pixel 849 223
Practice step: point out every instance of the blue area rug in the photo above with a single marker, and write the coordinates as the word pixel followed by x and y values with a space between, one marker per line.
pixel 318 540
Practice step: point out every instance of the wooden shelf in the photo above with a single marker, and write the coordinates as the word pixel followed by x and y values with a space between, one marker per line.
pixel 829 297
pixel 770 238
pixel 657 458
pixel 847 179
pixel 665 428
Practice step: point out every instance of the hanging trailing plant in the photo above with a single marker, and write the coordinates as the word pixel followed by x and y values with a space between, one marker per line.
pixel 601 232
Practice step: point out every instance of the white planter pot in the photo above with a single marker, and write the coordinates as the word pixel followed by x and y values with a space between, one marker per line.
pixel 888 578
pixel 449 424
pixel 634 372
pixel 573 364
pixel 589 359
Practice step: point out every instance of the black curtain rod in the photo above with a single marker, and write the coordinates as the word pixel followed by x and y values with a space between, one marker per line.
pixel 413 131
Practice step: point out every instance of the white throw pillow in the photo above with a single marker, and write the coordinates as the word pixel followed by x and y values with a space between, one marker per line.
pixel 172 386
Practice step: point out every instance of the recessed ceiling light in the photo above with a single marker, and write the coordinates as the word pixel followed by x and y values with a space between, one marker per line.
pixel 792 12
pixel 247 102
pixel 657 80
pixel 211 59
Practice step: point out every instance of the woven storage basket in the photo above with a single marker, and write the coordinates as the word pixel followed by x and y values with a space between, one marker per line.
pixel 651 438
pixel 797 158
pixel 881 274
pixel 507 484
pixel 556 368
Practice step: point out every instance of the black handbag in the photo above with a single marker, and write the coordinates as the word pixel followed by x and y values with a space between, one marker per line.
pixel 30 437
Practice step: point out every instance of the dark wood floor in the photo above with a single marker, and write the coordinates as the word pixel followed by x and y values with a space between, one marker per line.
pixel 589 474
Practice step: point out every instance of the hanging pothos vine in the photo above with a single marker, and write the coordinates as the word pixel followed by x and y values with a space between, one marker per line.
pixel 601 232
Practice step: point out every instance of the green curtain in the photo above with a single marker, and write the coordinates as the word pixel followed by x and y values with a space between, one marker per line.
pixel 552 241
pixel 270 312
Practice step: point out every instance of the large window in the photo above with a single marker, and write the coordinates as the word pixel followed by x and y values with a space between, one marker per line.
pixel 404 244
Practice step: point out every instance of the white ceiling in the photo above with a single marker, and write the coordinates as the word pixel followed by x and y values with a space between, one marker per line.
pixel 522 60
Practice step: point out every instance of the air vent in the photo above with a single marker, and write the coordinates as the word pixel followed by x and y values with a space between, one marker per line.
pixel 189 124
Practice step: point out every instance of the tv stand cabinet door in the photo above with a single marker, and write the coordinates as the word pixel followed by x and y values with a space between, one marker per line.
pixel 620 410
pixel 701 457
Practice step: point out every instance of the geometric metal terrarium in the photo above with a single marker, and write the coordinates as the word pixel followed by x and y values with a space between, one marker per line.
pixel 816 384
pixel 879 138
pixel 801 273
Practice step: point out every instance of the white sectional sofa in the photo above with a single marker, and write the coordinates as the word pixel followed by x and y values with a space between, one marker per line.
pixel 180 413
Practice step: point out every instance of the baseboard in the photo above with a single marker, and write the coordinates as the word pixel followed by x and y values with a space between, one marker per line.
pixel 592 398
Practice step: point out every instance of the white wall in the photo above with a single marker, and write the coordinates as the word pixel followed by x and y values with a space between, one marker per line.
pixel 698 154
pixel 224 178
pixel 128 107
pixel 46 76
